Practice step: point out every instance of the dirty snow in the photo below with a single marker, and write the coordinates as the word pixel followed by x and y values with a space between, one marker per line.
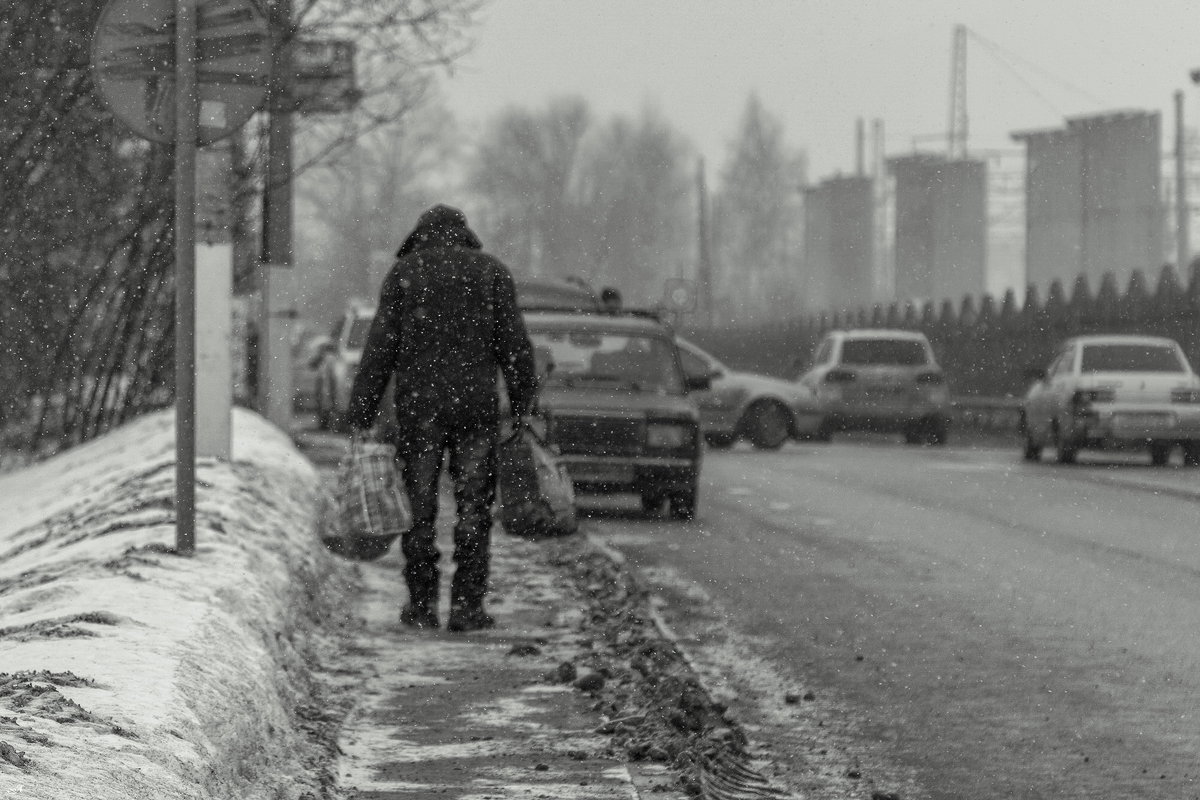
pixel 109 687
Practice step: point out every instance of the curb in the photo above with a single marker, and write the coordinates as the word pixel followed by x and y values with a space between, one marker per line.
pixel 726 773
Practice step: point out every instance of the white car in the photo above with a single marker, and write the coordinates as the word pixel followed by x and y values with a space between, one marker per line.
pixel 1114 392
pixel 767 411
pixel 338 365
pixel 880 380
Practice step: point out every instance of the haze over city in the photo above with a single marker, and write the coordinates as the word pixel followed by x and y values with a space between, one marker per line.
pixel 820 65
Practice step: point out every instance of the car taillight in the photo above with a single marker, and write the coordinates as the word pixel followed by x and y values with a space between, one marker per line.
pixel 840 376
pixel 1185 395
pixel 930 378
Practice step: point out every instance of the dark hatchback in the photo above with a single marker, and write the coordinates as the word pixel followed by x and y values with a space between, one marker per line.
pixel 617 408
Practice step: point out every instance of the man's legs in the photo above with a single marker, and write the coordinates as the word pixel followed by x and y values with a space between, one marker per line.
pixel 473 468
pixel 421 446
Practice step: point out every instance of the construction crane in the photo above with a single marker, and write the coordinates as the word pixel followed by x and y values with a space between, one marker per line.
pixel 956 132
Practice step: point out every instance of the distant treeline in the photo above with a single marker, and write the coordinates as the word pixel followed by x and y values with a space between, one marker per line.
pixel 984 346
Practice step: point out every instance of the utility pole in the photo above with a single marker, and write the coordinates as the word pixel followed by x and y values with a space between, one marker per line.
pixel 1182 214
pixel 704 267
pixel 277 278
pixel 187 121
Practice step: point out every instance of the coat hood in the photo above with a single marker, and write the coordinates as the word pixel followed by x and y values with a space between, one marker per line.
pixel 440 226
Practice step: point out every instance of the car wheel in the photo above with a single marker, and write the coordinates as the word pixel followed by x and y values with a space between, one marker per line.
pixel 824 432
pixel 1033 450
pixel 652 504
pixel 1191 454
pixel 936 432
pixel 1160 453
pixel 1065 452
pixel 683 505
pixel 719 441
pixel 768 426
pixel 913 433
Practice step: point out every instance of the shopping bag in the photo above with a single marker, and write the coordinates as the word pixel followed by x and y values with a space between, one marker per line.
pixel 372 504
pixel 537 499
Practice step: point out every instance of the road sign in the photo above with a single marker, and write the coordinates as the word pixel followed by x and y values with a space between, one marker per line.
pixel 323 76
pixel 680 294
pixel 133 56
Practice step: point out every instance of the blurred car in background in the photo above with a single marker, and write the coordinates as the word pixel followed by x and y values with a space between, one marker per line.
pixel 880 380
pixel 338 364
pixel 307 355
pixel 616 405
pixel 1113 392
pixel 765 410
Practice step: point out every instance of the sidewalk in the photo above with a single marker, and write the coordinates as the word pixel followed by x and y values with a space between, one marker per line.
pixel 479 715
pixel 484 715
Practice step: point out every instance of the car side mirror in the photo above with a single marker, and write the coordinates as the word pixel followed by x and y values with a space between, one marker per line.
pixel 1035 374
pixel 698 383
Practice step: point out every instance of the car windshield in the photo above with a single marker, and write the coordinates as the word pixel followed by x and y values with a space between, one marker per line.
pixel 609 360
pixel 883 352
pixel 1130 358
pixel 358 333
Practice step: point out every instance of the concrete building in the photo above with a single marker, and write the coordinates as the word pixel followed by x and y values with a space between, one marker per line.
pixel 1092 198
pixel 940 227
pixel 839 250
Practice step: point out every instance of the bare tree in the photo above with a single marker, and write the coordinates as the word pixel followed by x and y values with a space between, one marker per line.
pixel 561 196
pixel 521 171
pixel 86 217
pixel 757 246
pixel 636 203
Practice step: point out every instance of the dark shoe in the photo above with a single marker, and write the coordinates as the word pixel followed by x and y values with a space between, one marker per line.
pixel 421 617
pixel 463 620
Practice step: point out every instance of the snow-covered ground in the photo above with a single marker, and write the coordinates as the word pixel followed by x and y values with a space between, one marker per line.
pixel 129 672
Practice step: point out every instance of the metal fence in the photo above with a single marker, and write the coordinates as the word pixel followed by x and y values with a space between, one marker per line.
pixel 984 347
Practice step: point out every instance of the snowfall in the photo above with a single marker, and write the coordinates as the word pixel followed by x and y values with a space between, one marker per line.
pixel 127 671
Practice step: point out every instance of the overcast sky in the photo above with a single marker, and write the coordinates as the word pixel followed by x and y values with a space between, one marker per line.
pixel 818 65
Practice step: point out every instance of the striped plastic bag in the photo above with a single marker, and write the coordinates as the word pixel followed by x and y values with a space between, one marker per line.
pixel 372 504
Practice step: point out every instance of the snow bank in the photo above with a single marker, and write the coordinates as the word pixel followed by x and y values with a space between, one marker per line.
pixel 129 672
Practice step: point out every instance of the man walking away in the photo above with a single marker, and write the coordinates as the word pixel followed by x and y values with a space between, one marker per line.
pixel 447 323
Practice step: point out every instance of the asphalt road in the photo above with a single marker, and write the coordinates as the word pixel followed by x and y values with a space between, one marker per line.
pixel 942 623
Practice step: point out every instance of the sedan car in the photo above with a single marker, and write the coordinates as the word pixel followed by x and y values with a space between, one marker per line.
pixel 880 380
pixel 339 363
pixel 765 410
pixel 1109 392
pixel 616 406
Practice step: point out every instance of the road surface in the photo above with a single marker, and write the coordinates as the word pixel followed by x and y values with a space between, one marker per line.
pixel 942 622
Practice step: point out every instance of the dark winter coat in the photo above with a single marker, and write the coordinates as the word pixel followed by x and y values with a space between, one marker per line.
pixel 446 324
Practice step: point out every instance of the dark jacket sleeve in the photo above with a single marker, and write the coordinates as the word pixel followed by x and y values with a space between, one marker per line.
pixel 380 356
pixel 511 347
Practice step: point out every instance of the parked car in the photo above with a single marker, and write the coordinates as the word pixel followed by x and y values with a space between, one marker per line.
pixel 339 363
pixel 765 410
pixel 616 406
pixel 1109 392
pixel 880 380
pixel 307 355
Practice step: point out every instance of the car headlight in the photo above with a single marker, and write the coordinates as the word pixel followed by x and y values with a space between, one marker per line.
pixel 667 435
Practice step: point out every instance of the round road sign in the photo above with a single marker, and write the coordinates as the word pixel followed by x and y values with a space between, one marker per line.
pixel 133 57
pixel 680 294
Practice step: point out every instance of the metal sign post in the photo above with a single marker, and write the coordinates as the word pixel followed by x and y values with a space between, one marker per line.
pixel 187 73
pixel 187 112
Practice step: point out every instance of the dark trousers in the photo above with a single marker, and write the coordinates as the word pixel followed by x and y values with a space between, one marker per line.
pixel 422 445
